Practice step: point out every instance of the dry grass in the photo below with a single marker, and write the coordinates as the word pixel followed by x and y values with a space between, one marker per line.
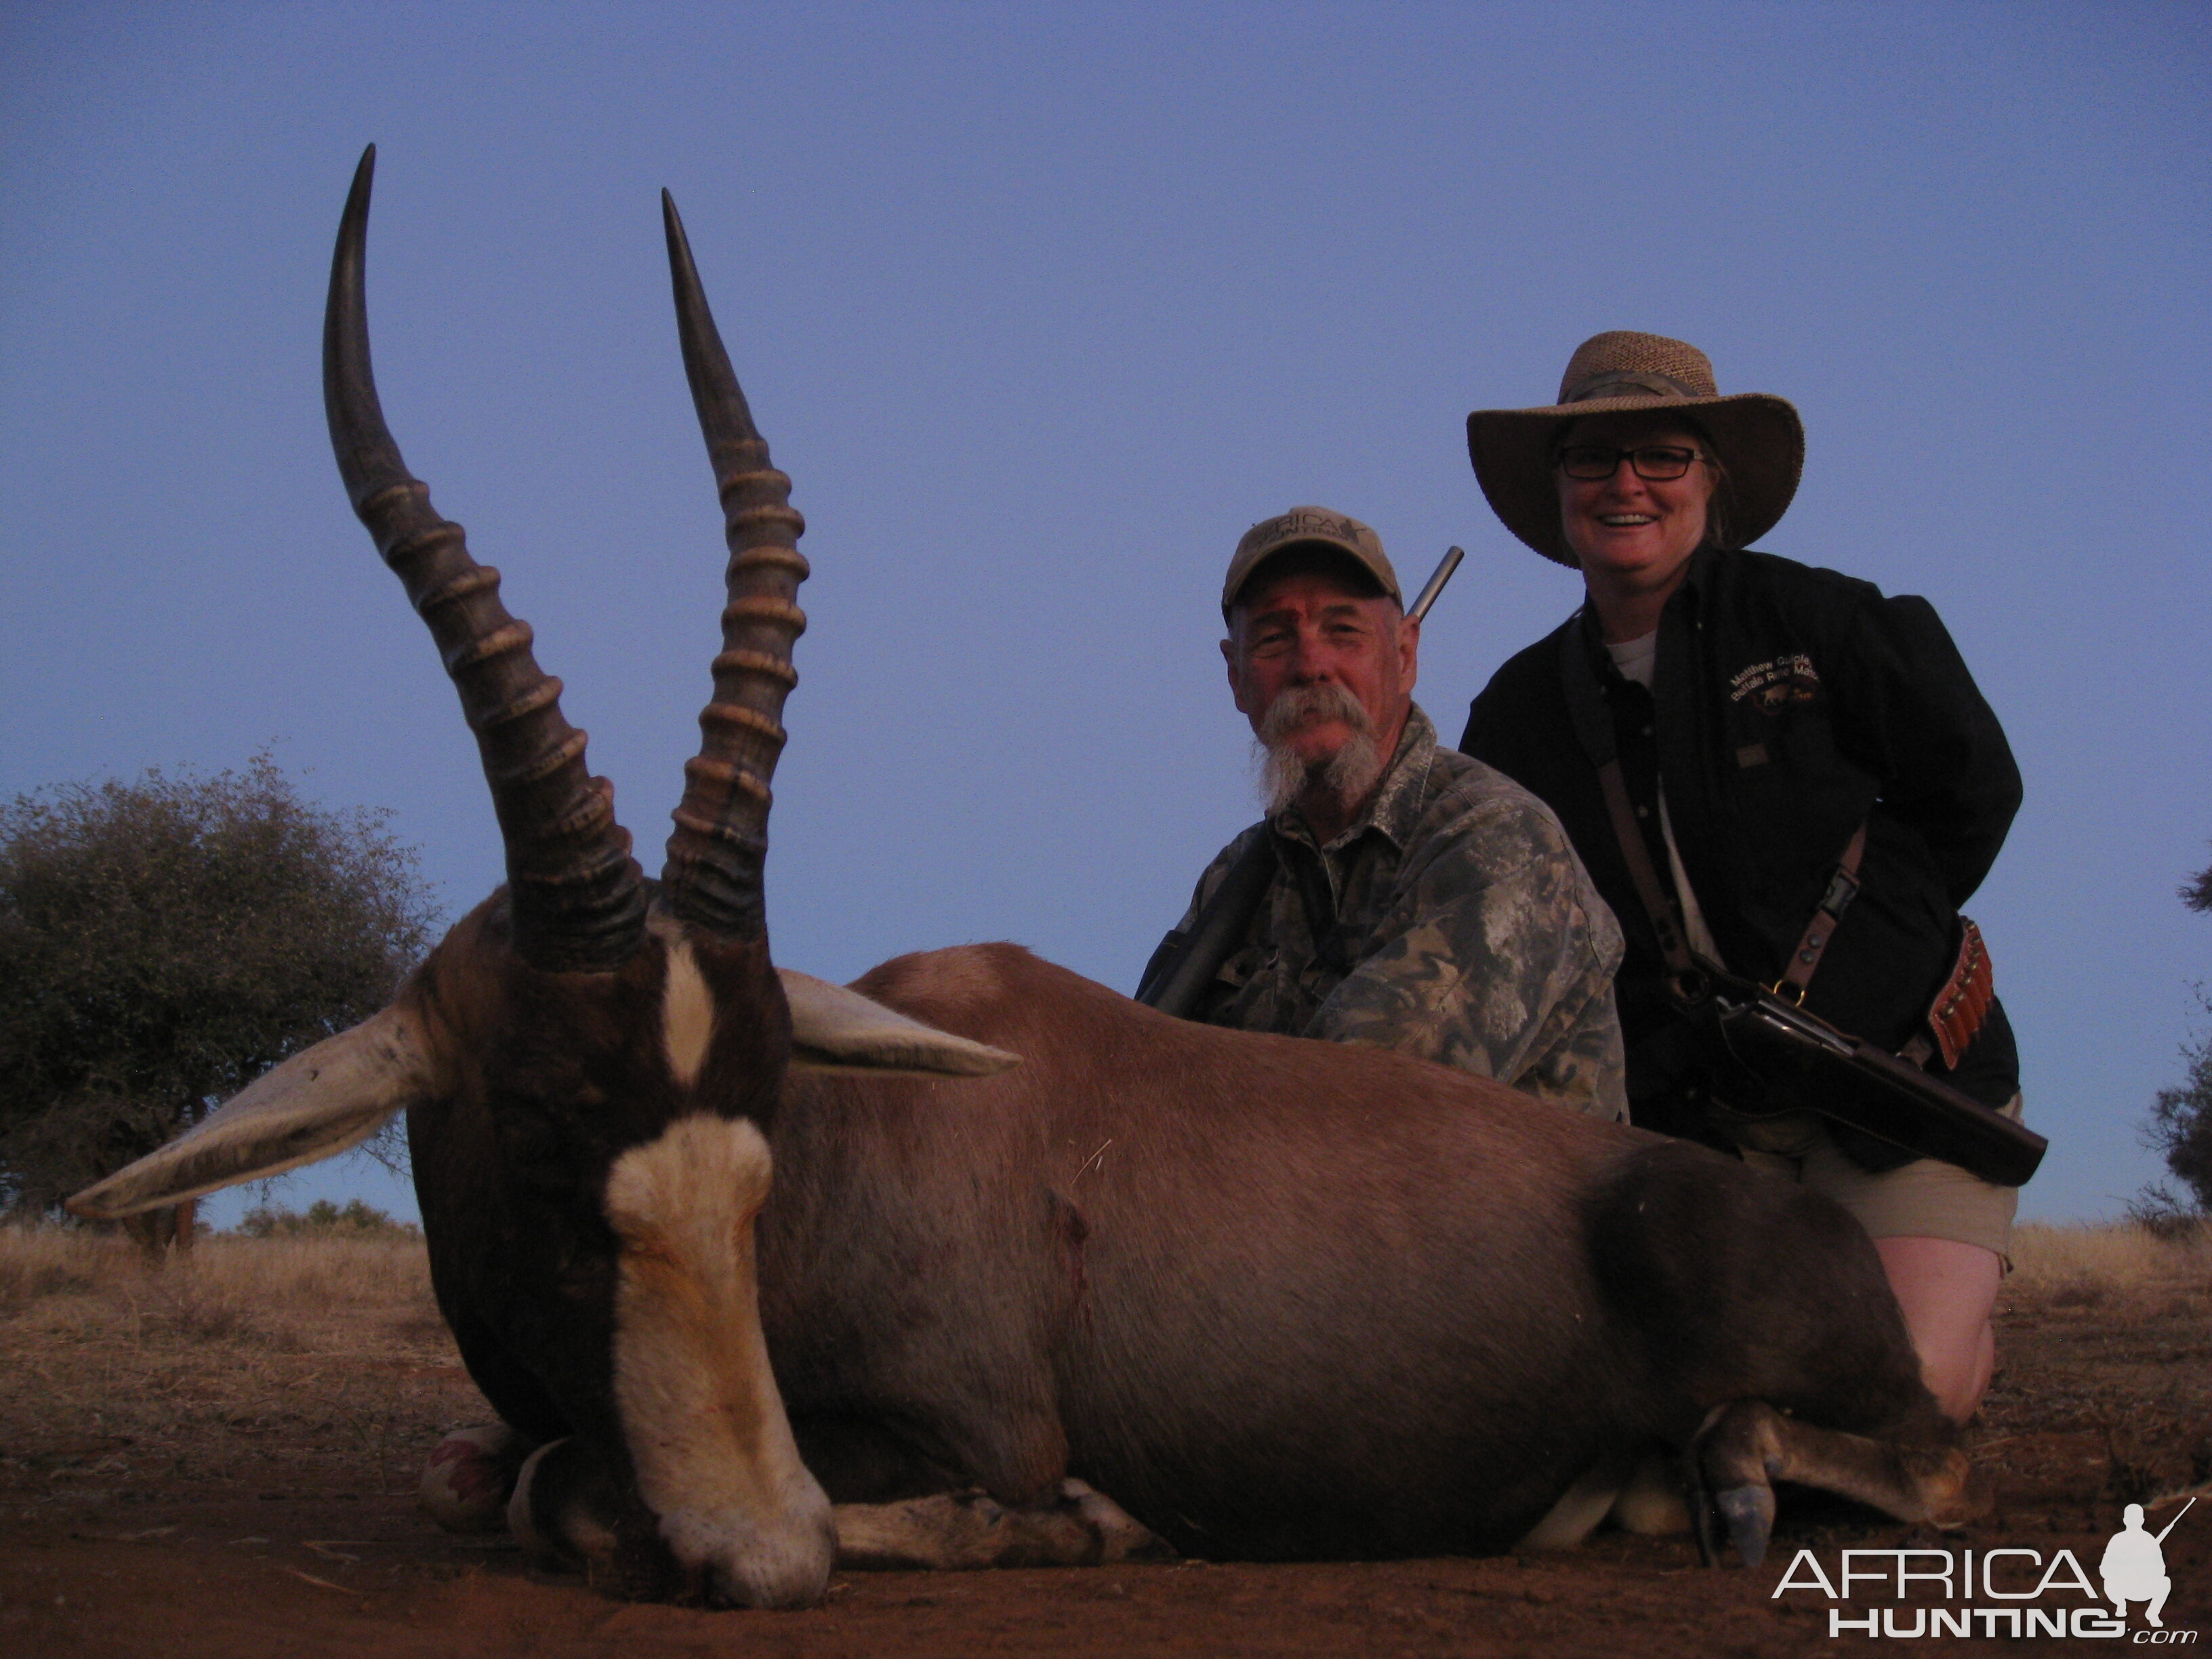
pixel 2104 1355
pixel 194 1367
pixel 2063 1266
pixel 278 1292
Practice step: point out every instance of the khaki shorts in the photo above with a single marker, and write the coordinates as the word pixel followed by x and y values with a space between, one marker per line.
pixel 1920 1200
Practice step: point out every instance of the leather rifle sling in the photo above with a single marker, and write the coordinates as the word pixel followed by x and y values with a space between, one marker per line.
pixel 1593 723
pixel 1843 888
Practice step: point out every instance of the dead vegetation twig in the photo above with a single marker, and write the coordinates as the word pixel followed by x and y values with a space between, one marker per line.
pixel 322 1583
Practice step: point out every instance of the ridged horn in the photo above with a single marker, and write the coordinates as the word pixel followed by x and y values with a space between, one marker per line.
pixel 713 875
pixel 578 897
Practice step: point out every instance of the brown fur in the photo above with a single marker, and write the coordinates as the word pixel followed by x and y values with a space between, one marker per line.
pixel 552 1078
pixel 1278 1298
pixel 1275 1298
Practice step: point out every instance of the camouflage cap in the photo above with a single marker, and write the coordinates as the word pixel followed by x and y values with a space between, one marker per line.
pixel 1303 527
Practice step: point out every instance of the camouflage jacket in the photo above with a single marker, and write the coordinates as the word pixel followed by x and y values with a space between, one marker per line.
pixel 1452 920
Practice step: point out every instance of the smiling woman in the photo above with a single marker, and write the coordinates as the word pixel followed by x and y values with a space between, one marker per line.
pixel 1635 498
pixel 1741 748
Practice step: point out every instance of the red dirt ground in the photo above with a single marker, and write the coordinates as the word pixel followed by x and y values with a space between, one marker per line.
pixel 292 1532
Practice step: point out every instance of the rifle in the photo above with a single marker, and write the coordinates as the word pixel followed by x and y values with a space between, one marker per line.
pixel 1173 980
pixel 2176 1521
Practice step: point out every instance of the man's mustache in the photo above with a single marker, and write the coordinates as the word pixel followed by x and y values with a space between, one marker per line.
pixel 1296 707
pixel 1348 774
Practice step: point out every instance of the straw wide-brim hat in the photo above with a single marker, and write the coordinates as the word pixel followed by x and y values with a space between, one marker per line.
pixel 1757 438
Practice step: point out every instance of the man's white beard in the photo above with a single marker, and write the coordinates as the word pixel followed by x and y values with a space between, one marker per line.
pixel 1346 777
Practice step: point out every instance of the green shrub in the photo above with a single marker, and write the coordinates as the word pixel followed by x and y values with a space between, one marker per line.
pixel 163 943
pixel 323 1218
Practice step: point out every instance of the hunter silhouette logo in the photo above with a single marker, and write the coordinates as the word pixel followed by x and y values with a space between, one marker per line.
pixel 2008 1591
pixel 2134 1567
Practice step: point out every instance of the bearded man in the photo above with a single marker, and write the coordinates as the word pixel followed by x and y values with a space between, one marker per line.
pixel 1420 901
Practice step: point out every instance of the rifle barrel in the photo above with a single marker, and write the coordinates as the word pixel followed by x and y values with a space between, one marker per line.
pixel 2176 1521
pixel 1445 566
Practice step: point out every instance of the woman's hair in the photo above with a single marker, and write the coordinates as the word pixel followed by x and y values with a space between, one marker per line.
pixel 1717 503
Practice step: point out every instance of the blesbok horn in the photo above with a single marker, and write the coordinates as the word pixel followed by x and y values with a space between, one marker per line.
pixel 712 874
pixel 578 898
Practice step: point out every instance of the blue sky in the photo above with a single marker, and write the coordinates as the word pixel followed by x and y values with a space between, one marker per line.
pixel 1041 306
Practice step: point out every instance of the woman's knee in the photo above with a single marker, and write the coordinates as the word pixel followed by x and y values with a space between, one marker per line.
pixel 1947 1292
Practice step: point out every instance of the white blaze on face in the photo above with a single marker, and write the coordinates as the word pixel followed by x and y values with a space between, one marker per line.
pixel 705 1425
pixel 687 1012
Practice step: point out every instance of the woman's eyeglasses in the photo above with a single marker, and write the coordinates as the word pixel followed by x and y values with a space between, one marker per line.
pixel 1593 463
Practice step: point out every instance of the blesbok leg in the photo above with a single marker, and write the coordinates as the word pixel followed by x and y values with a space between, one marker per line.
pixel 563 1511
pixel 1749 1445
pixel 1582 1507
pixel 1071 1526
pixel 1643 1492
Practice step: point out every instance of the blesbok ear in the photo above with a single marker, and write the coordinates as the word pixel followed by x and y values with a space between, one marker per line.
pixel 324 1101
pixel 835 1030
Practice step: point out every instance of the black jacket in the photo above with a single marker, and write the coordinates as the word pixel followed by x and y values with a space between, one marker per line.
pixel 1789 705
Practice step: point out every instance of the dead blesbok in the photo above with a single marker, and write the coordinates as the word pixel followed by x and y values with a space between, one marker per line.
pixel 722 1244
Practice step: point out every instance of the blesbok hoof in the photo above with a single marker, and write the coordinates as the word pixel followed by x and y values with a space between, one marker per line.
pixel 1958 1494
pixel 1120 1536
pixel 560 1513
pixel 1748 1512
pixel 470 1475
